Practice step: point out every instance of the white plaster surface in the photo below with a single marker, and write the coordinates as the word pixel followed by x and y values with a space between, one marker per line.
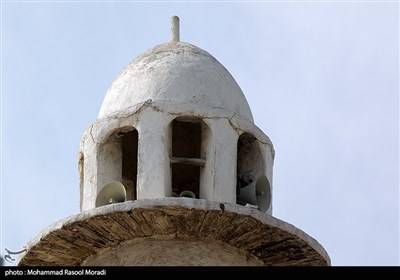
pixel 168 81
pixel 178 72
pixel 152 121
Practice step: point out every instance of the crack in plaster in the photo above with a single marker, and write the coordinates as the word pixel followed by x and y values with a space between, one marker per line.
pixel 150 104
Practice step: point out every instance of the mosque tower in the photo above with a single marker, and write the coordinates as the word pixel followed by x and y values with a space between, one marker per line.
pixel 174 172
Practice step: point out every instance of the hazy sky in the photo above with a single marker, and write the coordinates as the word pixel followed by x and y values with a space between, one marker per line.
pixel 321 78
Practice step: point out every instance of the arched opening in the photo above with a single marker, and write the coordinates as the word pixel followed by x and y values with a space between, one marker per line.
pixel 117 160
pixel 252 186
pixel 129 162
pixel 187 156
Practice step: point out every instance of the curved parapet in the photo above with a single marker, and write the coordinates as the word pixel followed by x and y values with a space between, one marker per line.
pixel 158 231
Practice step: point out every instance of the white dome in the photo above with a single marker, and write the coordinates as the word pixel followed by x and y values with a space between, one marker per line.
pixel 176 72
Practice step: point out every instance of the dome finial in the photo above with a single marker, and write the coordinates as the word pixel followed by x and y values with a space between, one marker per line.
pixel 175 29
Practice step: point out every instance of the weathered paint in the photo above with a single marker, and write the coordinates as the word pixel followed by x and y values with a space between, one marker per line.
pixel 170 81
pixel 174 81
pixel 93 235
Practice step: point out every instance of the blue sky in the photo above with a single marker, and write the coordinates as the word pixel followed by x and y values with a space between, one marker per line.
pixel 321 78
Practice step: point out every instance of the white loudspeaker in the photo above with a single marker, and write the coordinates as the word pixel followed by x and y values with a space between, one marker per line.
pixel 187 194
pixel 112 192
pixel 257 193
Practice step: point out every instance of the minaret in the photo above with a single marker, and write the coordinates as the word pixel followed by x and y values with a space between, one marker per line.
pixel 174 166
